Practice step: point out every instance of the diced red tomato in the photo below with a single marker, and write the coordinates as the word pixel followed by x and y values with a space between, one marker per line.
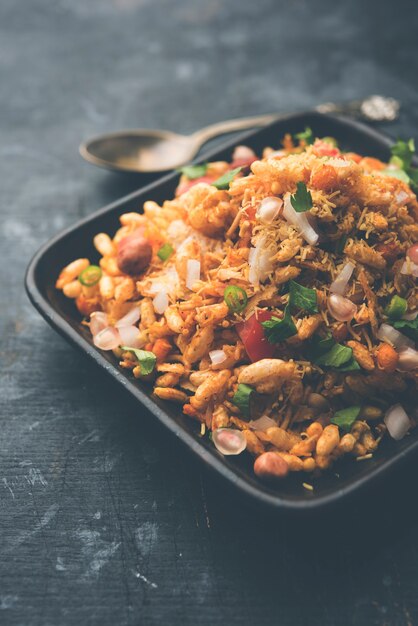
pixel 252 336
pixel 244 163
pixel 191 183
pixel 323 148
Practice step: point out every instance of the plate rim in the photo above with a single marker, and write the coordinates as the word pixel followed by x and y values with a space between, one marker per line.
pixel 215 464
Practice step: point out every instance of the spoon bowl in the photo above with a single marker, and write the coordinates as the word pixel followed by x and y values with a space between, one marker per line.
pixel 146 151
pixel 140 150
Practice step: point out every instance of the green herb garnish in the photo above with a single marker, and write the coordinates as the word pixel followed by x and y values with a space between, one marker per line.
pixel 301 201
pixel 236 298
pixel 224 181
pixel 90 276
pixel 331 140
pixel 408 328
pixel 303 297
pixel 242 398
pixel 350 366
pixel 165 251
pixel 336 357
pixel 146 359
pixel 396 308
pixel 306 136
pixel 278 329
pixel 194 171
pixel 403 151
pixel 401 161
pixel 345 418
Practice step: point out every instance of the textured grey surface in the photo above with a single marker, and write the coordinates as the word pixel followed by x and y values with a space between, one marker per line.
pixel 103 519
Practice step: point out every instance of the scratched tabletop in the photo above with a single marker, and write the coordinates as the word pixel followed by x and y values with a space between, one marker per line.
pixel 104 519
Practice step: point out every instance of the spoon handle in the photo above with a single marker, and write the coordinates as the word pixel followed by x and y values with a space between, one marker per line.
pixel 373 108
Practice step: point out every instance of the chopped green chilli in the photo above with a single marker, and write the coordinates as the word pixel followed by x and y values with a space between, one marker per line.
pixel 165 251
pixel 146 359
pixel 345 418
pixel 90 276
pixel 396 308
pixel 236 298
pixel 301 201
pixel 224 181
pixel 242 398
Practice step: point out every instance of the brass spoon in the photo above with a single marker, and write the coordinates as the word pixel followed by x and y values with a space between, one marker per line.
pixel 157 150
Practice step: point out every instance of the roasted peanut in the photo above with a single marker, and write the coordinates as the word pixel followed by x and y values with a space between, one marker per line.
pixel 304 447
pixel 387 357
pixel 328 440
pixel 71 272
pixel 72 289
pixel 174 395
pixel 314 429
pixel 134 253
pixel 347 443
pixel 361 355
pixel 270 466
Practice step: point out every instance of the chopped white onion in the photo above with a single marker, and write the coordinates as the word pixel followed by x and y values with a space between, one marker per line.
pixel 107 339
pixel 260 261
pixel 178 231
pixel 160 302
pixel 341 309
pixel 98 321
pixel 339 285
pixel 409 268
pixel 410 316
pixel 300 221
pixel 269 209
pixel 397 422
pixel 401 196
pixel 390 335
pixel 243 152
pixel 229 441
pixel 412 253
pixel 262 423
pixel 217 357
pixel 192 273
pixel 130 318
pixel 131 336
pixel 408 359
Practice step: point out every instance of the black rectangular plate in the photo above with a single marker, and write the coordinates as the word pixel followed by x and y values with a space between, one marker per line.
pixel 61 314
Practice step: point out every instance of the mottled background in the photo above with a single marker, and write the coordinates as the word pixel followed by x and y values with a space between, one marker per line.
pixel 103 519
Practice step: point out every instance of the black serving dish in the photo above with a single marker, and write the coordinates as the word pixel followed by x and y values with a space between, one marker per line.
pixel 346 477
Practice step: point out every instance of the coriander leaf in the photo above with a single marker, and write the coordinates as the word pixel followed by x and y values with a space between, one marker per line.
pixel 301 201
pixel 336 357
pixel 396 173
pixel 194 171
pixel 303 297
pixel 146 360
pixel 340 245
pixel 350 366
pixel 242 398
pixel 408 328
pixel 331 140
pixel 306 136
pixel 345 418
pixel 277 330
pixel 320 345
pixel 224 181
pixel 404 150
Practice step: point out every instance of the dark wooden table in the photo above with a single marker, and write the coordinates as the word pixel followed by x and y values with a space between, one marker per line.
pixel 104 520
